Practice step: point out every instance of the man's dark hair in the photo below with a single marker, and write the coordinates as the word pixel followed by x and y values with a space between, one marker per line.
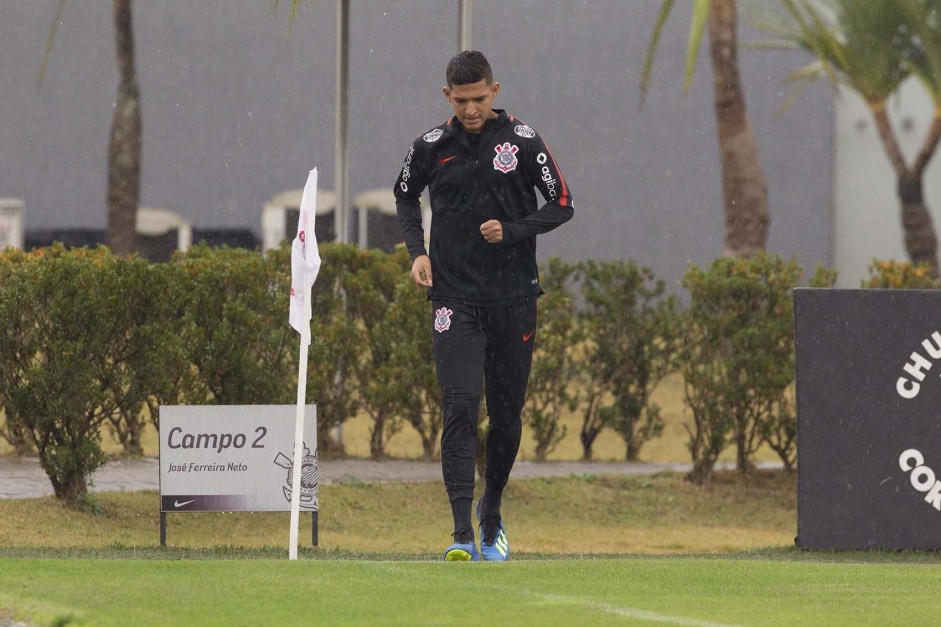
pixel 469 66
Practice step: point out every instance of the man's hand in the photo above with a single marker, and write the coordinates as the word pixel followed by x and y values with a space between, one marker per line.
pixel 421 271
pixel 492 230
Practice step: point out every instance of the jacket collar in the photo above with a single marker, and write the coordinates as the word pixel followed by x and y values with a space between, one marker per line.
pixel 490 125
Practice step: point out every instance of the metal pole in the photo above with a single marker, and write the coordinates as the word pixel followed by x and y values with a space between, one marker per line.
pixel 464 24
pixel 341 216
pixel 341 185
pixel 363 231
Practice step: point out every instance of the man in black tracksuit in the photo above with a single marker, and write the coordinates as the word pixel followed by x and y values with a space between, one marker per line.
pixel 481 168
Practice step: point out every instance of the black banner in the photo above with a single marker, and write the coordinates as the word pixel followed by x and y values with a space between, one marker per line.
pixel 869 418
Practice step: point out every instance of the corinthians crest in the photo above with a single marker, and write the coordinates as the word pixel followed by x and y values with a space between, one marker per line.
pixel 308 496
pixel 443 319
pixel 505 161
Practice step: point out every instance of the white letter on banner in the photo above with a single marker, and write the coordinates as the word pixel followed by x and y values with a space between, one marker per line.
pixel 934 350
pixel 909 455
pixel 923 478
pixel 906 392
pixel 916 366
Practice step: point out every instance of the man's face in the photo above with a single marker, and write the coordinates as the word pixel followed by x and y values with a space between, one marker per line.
pixel 473 103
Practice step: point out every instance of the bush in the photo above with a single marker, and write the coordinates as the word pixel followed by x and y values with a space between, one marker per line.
pixel 779 428
pixel 11 430
pixel 74 348
pixel 335 345
pixel 370 287
pixel 631 336
pixel 899 275
pixel 738 357
pixel 410 374
pixel 235 305
pixel 554 366
pixel 93 342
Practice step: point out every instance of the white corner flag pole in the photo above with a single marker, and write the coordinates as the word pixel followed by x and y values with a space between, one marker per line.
pixel 305 265
pixel 299 440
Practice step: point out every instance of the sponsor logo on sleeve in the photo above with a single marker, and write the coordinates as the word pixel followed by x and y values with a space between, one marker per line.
pixel 546 176
pixel 505 161
pixel 406 169
pixel 524 131
pixel 433 136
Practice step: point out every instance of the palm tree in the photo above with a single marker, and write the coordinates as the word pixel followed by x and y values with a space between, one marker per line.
pixel 124 147
pixel 871 47
pixel 744 188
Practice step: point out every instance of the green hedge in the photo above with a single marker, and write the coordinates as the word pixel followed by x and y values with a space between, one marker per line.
pixel 93 343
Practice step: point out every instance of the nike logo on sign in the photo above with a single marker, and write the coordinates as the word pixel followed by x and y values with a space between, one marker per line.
pixel 179 504
pixel 528 335
pixel 446 159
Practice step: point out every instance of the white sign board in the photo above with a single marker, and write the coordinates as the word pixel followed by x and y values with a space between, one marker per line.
pixel 234 458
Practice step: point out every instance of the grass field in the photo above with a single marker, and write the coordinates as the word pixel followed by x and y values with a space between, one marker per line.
pixel 757 589
pixel 587 549
pixel 590 550
pixel 578 514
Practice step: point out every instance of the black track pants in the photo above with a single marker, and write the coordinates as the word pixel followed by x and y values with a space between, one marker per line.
pixel 473 345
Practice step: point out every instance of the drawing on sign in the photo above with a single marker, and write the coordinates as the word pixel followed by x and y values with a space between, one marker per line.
pixel 308 498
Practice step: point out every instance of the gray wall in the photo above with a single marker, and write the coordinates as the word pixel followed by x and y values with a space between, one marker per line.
pixel 236 108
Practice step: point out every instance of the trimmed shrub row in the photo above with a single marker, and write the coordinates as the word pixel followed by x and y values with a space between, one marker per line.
pixel 92 343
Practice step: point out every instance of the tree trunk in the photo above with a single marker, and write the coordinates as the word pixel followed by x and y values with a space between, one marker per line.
pixel 428 447
pixel 701 473
pixel 744 188
pixel 591 426
pixel 920 239
pixel 377 444
pixel 124 147
pixel 921 242
pixel 742 463
pixel 70 489
pixel 587 446
pixel 632 450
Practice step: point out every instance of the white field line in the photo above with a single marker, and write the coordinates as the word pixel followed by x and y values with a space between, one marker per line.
pixel 631 612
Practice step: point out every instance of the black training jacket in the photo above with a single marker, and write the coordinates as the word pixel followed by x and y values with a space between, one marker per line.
pixel 467 188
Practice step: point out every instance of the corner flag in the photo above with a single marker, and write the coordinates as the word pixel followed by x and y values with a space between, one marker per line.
pixel 305 259
pixel 305 265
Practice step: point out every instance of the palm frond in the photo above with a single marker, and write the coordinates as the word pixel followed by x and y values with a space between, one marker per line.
pixel 924 19
pixel 647 71
pixel 696 27
pixel 861 44
pixel 50 40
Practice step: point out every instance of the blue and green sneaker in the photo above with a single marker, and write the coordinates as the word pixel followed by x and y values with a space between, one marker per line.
pixel 494 545
pixel 462 552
